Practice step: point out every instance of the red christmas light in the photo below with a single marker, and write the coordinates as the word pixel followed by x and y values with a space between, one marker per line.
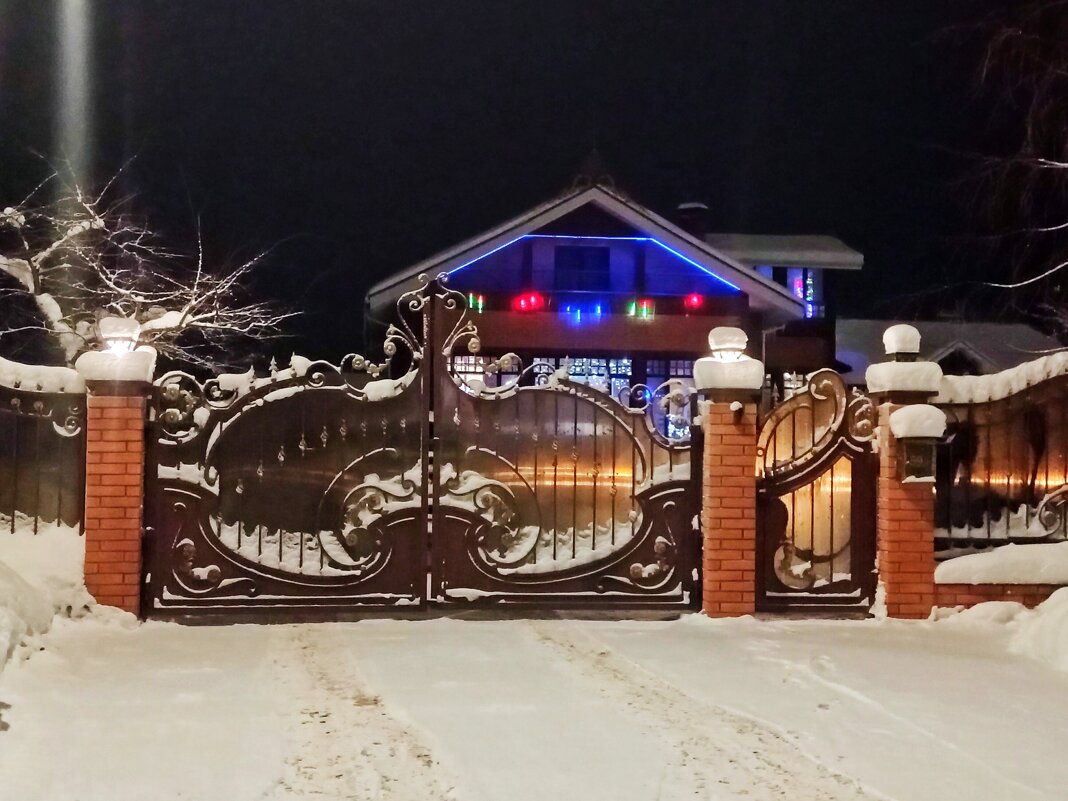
pixel 693 301
pixel 528 302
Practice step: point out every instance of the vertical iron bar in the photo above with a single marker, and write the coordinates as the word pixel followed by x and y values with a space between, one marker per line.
pixel 574 477
pixel 556 467
pixel 596 469
pixel 15 468
pixel 615 448
pixel 830 520
pixel 536 483
pixel 36 474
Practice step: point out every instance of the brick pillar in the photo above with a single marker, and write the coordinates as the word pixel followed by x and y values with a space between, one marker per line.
pixel 905 531
pixel 728 508
pixel 114 492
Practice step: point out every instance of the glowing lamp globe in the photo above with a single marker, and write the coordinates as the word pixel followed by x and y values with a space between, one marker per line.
pixel 119 334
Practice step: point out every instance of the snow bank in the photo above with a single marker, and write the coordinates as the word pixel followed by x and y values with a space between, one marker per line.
pixel 981 388
pixel 918 420
pixel 39 378
pixel 24 612
pixel 1043 633
pixel 989 612
pixel 1035 563
pixel 904 377
pixel 41 575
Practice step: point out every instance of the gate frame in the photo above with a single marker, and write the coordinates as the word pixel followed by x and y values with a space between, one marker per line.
pixel 427 339
pixel 850 436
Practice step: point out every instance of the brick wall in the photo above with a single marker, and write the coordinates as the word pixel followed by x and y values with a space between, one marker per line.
pixel 970 594
pixel 114 493
pixel 728 510
pixel 905 533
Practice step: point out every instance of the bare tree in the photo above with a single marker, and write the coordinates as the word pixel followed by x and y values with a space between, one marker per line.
pixel 84 258
pixel 1025 68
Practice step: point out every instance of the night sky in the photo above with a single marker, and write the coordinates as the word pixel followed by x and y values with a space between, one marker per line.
pixel 363 136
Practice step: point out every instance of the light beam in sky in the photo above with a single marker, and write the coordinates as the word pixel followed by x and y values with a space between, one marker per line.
pixel 73 139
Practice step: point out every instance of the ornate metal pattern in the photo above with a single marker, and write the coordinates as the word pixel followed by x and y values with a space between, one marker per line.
pixel 264 497
pixel 552 491
pixel 311 486
pixel 816 510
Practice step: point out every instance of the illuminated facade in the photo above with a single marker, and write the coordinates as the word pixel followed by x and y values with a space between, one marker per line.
pixel 623 296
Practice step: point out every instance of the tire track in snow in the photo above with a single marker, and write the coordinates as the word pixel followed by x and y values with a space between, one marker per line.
pixel 718 754
pixel 349 745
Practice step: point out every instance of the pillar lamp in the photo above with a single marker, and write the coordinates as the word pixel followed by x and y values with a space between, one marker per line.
pixel 119 334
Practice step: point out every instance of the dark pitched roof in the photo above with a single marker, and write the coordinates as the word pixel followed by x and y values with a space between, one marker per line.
pixel 764 294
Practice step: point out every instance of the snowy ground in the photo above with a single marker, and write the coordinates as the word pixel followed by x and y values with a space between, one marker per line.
pixel 528 709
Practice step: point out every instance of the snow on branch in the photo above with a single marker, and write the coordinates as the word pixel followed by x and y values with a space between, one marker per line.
pixel 85 257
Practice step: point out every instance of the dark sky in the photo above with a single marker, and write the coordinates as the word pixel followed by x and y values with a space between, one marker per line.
pixel 364 136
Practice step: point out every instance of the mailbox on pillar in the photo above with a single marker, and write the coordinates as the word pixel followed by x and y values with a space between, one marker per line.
pixel 918 428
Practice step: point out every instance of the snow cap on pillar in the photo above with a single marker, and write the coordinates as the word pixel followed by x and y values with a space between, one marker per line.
pixel 108 365
pixel 918 420
pixel 901 339
pixel 728 367
pixel 905 373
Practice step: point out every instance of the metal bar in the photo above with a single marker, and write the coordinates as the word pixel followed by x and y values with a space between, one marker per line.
pixel 36 474
pixel 831 521
pixel 556 467
pixel 612 492
pixel 574 479
pixel 535 397
pixel 596 470
pixel 15 470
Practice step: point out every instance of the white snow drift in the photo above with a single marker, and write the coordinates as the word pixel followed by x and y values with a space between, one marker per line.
pixel 40 575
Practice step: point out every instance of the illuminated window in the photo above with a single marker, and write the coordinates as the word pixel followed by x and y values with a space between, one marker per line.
pixel 681 368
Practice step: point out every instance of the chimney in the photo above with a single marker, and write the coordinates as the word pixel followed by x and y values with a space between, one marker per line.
pixel 692 217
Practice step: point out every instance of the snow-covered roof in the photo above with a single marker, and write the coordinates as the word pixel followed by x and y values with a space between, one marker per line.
pixel 755 250
pixel 994 346
pixel 764 294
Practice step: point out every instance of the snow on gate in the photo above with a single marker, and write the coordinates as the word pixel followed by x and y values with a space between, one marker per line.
pixel 328 487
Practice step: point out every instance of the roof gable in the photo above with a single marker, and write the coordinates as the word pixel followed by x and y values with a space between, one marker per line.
pixel 599 203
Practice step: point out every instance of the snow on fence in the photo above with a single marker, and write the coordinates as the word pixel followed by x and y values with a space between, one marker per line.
pixel 42 448
pixel 1002 474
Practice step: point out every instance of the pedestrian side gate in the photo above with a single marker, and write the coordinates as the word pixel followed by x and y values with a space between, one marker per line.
pixel 816 507
pixel 404 483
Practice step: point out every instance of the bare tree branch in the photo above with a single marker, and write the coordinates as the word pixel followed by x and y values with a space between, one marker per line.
pixel 87 256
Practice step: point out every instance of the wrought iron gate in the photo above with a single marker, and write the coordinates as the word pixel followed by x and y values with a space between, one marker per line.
pixel 816 499
pixel 548 489
pixel 395 484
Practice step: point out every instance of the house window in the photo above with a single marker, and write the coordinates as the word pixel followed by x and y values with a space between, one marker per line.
pixel 681 368
pixel 582 269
